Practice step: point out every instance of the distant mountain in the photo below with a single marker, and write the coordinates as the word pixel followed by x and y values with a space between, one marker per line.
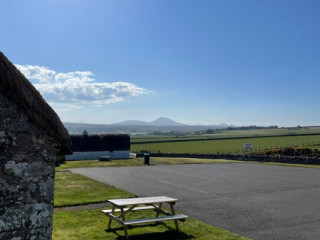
pixel 131 123
pixel 223 125
pixel 139 127
pixel 162 121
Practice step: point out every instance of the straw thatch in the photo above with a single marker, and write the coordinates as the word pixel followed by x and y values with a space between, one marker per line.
pixel 18 89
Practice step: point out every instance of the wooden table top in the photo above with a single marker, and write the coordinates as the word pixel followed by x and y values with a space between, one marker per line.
pixel 143 200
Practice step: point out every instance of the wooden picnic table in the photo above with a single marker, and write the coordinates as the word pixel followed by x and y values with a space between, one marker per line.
pixel 126 205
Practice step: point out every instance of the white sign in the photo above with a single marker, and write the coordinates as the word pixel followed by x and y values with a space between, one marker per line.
pixel 247 146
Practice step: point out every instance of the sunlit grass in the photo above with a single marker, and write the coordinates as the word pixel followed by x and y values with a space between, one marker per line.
pixel 96 163
pixel 228 145
pixel 74 189
pixel 137 162
pixel 85 225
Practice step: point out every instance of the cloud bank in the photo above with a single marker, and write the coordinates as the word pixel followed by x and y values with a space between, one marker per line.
pixel 78 88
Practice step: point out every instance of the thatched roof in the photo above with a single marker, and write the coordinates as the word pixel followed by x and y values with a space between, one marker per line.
pixel 104 142
pixel 18 89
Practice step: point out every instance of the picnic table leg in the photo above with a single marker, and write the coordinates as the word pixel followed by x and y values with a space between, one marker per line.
pixel 159 210
pixel 124 227
pixel 174 213
pixel 110 219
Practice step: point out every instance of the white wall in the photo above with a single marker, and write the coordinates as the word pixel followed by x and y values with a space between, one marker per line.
pixel 96 155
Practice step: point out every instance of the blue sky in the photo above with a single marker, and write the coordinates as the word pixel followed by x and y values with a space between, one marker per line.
pixel 239 62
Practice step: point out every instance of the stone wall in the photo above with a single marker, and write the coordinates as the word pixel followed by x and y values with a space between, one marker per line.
pixel 256 158
pixel 27 158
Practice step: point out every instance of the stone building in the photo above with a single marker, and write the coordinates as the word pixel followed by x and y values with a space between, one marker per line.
pixel 31 137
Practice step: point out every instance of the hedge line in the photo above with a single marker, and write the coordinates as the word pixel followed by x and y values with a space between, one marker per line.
pixel 105 142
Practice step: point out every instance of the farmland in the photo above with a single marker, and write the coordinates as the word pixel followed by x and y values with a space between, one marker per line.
pixel 229 141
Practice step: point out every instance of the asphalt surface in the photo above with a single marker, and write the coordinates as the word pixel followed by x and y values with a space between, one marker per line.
pixel 256 201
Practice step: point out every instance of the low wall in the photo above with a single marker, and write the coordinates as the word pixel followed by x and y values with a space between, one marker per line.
pixel 97 154
pixel 258 158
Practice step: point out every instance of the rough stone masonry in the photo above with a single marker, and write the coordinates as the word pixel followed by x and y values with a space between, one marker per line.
pixel 28 150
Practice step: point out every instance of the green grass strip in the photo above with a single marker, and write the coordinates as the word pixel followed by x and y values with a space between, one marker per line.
pixel 163 160
pixel 166 160
pixel 137 162
pixel 287 164
pixel 75 189
pixel 84 225
pixel 96 163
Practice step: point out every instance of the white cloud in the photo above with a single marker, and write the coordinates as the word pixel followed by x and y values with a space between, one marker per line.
pixel 42 74
pixel 78 88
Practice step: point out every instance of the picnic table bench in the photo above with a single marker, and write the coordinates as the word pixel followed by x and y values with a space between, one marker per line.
pixel 127 205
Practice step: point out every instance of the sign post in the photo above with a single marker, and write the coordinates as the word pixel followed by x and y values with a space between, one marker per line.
pixel 247 146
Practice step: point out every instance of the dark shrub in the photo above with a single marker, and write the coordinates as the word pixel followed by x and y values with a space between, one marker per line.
pixel 106 142
pixel 288 151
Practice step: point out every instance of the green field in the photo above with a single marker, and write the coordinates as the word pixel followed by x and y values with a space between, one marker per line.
pixel 228 134
pixel 229 145
pixel 96 163
pixel 92 225
pixel 74 189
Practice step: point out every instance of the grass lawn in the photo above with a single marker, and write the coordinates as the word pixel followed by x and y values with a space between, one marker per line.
pixel 228 145
pixel 137 162
pixel 75 189
pixel 165 160
pixel 97 163
pixel 92 225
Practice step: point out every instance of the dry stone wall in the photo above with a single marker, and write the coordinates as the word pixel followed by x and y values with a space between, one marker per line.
pixel 27 158
pixel 251 157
